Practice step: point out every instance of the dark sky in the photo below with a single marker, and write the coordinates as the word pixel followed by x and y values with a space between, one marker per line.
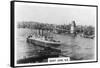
pixel 55 14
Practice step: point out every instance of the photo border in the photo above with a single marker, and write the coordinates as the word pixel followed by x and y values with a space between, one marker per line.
pixel 12 16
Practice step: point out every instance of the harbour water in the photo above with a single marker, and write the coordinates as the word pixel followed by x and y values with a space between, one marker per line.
pixel 77 48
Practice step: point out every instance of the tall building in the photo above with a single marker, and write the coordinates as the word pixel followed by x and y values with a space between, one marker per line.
pixel 73 25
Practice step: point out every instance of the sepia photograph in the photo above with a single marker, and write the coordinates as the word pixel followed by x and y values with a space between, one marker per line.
pixel 54 33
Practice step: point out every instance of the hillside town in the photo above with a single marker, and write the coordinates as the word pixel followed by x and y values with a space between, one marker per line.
pixel 83 31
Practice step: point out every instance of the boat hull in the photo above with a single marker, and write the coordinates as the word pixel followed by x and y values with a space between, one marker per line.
pixel 42 43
